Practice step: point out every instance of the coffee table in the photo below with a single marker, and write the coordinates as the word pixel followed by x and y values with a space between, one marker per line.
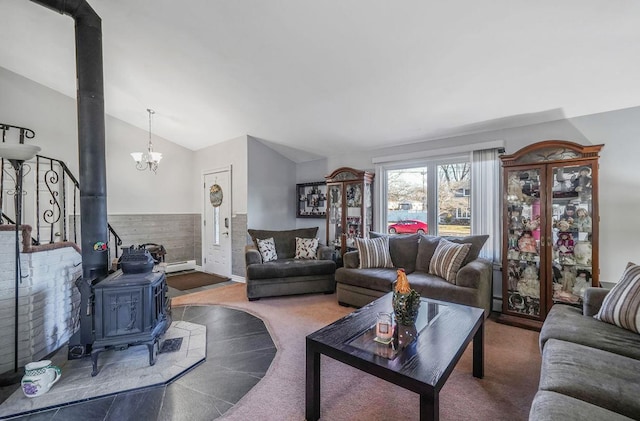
pixel 443 330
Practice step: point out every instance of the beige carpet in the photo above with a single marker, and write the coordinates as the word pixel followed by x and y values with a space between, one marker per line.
pixel 512 369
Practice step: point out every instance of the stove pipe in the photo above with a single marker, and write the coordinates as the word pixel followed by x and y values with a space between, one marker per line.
pixel 91 136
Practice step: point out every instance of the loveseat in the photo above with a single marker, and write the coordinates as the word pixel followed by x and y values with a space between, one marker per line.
pixel 590 369
pixel 472 284
pixel 287 275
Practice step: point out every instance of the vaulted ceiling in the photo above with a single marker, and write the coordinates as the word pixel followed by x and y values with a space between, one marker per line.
pixel 334 76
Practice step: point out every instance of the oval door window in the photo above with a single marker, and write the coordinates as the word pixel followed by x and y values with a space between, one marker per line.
pixel 215 195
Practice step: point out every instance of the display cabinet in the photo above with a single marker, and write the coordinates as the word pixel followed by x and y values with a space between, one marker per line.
pixel 349 207
pixel 311 200
pixel 550 234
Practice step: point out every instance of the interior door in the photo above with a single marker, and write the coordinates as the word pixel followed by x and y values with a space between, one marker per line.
pixel 217 222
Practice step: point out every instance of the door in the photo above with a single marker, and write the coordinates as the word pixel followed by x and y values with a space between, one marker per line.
pixel 217 222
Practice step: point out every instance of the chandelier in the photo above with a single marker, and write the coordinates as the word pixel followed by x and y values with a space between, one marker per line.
pixel 149 159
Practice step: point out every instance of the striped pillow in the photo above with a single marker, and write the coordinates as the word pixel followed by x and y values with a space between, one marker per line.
pixel 374 252
pixel 447 259
pixel 621 306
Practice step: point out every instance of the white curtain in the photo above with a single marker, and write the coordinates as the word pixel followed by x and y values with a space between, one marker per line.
pixel 485 201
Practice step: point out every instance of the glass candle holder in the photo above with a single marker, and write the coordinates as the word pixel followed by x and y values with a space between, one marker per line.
pixel 384 326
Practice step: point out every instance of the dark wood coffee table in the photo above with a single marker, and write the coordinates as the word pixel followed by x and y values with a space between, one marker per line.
pixel 442 329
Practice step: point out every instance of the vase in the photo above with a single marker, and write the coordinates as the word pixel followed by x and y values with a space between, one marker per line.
pixel 39 377
pixel 406 306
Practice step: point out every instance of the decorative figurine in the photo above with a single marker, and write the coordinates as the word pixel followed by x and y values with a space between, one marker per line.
pixel 568 279
pixel 406 300
pixel 581 284
pixel 514 189
pixel 527 244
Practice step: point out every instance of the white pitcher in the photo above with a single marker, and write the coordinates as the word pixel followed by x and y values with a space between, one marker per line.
pixel 39 377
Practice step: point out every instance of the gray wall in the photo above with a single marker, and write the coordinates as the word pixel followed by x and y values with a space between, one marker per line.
pixel 619 179
pixel 271 188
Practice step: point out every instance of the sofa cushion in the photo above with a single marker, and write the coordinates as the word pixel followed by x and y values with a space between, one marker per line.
pixel 378 279
pixel 285 240
pixel 426 247
pixel 568 324
pixel 604 379
pixel 621 306
pixel 267 249
pixel 374 252
pixel 403 249
pixel 549 406
pixel 476 241
pixel 306 248
pixel 284 268
pixel 432 286
pixel 447 259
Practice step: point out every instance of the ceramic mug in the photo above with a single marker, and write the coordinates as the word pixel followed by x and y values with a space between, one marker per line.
pixel 39 377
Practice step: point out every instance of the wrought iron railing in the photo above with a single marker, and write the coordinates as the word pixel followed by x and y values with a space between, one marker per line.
pixel 54 210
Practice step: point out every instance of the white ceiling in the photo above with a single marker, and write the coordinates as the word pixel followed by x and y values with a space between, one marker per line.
pixel 333 76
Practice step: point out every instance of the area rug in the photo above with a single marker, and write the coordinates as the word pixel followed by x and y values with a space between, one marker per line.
pixel 191 280
pixel 512 369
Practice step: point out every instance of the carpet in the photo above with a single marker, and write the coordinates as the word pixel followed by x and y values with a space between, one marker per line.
pixel 191 280
pixel 512 369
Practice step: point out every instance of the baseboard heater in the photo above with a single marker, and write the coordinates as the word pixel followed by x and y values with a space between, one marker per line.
pixel 179 266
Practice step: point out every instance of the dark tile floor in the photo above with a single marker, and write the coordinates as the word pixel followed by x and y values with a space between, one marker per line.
pixel 239 352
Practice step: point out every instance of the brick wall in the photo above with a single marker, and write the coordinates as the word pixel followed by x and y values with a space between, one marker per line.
pixel 48 300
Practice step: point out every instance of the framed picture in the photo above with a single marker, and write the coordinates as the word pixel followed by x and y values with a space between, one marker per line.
pixel 311 200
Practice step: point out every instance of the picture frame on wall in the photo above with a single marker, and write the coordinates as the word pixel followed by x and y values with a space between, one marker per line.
pixel 311 200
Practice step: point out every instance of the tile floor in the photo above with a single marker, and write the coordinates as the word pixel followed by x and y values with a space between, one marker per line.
pixel 239 352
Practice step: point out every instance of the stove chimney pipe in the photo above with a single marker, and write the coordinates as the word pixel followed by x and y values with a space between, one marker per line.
pixel 91 135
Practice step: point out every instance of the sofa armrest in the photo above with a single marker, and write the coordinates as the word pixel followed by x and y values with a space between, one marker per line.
pixel 475 274
pixel 593 298
pixel 351 260
pixel 325 252
pixel 251 255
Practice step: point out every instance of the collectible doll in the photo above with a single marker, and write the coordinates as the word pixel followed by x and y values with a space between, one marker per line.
pixel 527 244
pixel 516 218
pixel 581 284
pixel 568 215
pixel 582 182
pixel 582 221
pixel 568 279
pixel 514 189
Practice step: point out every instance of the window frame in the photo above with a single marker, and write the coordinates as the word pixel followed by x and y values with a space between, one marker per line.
pixel 431 164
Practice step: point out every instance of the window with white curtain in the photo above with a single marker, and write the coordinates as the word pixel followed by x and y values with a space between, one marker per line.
pixel 456 194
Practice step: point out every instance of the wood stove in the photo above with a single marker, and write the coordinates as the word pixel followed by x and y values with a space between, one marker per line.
pixel 131 307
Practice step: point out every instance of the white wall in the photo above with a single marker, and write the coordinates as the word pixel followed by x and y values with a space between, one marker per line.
pixel 230 153
pixel 271 188
pixel 53 117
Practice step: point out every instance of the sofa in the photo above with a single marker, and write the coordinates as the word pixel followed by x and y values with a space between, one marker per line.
pixel 472 284
pixel 590 369
pixel 287 275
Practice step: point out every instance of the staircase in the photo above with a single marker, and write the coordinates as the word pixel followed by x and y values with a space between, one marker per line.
pixel 50 202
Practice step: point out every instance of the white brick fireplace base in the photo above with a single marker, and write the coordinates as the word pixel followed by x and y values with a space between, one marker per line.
pixel 48 301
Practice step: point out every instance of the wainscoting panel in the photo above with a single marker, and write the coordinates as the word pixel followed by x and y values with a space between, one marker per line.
pixel 238 241
pixel 180 234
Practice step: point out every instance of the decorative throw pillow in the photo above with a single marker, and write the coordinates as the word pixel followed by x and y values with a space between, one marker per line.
pixel 621 306
pixel 306 248
pixel 447 259
pixel 267 249
pixel 374 252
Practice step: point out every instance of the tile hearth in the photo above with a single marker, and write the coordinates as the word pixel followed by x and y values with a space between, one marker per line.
pixel 239 352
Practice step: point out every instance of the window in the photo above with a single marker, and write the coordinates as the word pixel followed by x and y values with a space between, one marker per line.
pixel 432 196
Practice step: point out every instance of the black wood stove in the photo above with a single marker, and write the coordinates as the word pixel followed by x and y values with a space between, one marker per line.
pixel 131 307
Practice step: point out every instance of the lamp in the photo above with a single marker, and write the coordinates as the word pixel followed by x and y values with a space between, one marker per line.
pixel 17 153
pixel 149 159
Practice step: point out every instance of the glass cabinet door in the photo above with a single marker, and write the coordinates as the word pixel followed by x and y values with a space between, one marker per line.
pixel 572 223
pixel 334 214
pixel 523 230
pixel 353 195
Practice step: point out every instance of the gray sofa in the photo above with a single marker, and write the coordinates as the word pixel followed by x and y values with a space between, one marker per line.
pixel 590 369
pixel 473 285
pixel 286 275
